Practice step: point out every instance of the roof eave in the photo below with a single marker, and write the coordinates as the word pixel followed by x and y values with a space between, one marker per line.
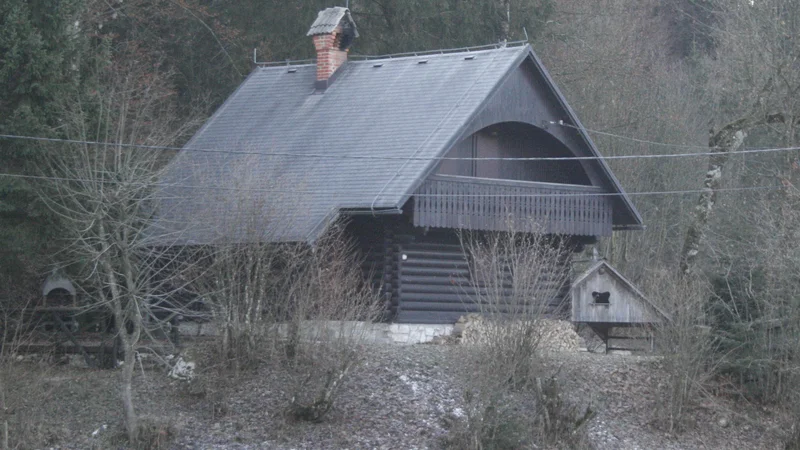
pixel 629 227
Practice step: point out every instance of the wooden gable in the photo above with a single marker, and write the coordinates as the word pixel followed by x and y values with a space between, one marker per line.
pixel 603 296
pixel 524 97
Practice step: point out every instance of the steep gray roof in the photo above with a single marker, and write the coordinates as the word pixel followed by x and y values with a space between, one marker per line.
pixel 288 158
pixel 328 19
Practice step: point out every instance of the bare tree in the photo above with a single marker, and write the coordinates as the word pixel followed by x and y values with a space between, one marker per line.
pixel 753 85
pixel 107 196
pixel 505 22
pixel 615 74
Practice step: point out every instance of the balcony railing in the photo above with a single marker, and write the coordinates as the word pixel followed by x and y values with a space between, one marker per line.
pixel 450 201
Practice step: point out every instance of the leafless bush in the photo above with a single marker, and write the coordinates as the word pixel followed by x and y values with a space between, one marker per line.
pixel 242 274
pixel 155 434
pixel 689 349
pixel 306 308
pixel 239 285
pixel 332 308
pixel 23 388
pixel 516 279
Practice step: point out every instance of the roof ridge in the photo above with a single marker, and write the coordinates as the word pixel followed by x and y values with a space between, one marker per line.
pixel 444 51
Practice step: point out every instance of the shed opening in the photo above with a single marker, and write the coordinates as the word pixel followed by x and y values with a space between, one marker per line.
pixel 601 298
pixel 59 297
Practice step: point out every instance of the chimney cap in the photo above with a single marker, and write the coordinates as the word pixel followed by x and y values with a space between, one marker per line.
pixel 330 18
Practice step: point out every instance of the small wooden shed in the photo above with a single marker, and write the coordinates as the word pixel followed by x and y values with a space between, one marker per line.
pixel 603 299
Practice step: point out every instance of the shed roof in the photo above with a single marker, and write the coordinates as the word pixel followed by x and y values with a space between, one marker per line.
pixel 57 281
pixel 328 19
pixel 295 157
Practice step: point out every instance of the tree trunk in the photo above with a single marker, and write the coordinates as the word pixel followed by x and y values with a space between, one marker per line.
pixel 126 385
pixel 128 341
pixel 728 140
pixel 505 23
pixel 4 410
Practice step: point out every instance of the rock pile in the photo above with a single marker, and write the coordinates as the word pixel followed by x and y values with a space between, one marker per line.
pixel 554 335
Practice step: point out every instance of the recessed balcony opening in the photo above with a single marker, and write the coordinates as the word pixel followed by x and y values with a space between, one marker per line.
pixel 500 151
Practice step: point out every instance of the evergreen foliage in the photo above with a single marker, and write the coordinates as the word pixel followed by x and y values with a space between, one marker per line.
pixel 42 50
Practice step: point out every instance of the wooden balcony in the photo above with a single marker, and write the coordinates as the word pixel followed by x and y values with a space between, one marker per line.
pixel 451 201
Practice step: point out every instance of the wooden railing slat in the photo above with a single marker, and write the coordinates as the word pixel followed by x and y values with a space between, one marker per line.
pixel 478 204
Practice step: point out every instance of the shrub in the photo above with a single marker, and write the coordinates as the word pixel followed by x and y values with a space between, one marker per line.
pixel 332 308
pixel 307 309
pixel 511 402
pixel 688 346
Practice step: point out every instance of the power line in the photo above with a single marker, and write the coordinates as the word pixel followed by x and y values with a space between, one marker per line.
pixel 403 158
pixel 631 138
pixel 328 192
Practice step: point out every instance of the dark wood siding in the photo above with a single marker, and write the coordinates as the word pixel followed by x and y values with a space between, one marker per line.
pixel 467 148
pixel 434 281
pixel 432 278
pixel 525 98
pixel 374 239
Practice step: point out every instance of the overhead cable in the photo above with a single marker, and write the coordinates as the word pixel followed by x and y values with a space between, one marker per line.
pixel 397 158
pixel 328 192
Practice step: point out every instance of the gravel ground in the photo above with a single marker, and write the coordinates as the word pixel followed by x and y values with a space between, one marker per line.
pixel 403 398
pixel 397 400
pixel 623 389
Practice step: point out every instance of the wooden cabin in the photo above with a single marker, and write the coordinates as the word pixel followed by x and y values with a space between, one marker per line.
pixel 410 149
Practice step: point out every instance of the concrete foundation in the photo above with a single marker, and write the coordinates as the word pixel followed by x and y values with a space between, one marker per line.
pixel 387 333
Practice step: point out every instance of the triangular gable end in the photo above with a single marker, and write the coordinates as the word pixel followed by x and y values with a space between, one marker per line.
pixel 609 270
pixel 527 94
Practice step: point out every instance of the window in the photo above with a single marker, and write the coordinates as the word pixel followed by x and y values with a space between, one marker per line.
pixel 601 298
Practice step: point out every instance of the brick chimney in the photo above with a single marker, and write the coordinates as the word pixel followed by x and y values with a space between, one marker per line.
pixel 333 32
